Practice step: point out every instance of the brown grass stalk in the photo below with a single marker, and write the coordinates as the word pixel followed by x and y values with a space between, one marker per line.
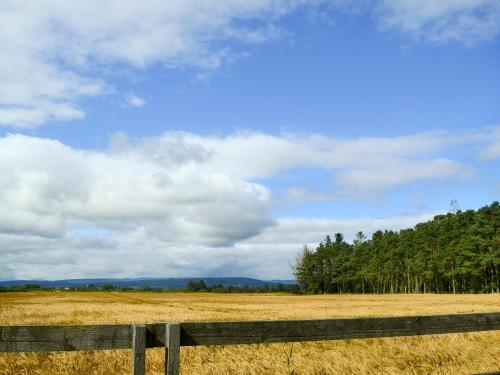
pixel 440 354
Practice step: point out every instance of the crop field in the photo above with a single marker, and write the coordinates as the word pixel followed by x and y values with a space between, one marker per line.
pixel 439 354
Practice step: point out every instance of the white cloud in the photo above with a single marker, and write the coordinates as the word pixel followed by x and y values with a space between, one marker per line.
pixel 56 53
pixel 135 101
pixel 46 185
pixel 183 204
pixel 32 116
pixel 492 148
pixel 53 52
pixel 181 183
pixel 359 168
pixel 465 21
pixel 137 253
pixel 397 172
pixel 311 231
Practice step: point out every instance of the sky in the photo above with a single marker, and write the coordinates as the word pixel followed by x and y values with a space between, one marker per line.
pixel 215 138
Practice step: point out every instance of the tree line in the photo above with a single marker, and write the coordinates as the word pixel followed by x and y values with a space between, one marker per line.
pixel 191 286
pixel 458 252
pixel 82 288
pixel 201 286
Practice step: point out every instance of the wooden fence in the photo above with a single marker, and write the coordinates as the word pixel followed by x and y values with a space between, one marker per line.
pixel 172 336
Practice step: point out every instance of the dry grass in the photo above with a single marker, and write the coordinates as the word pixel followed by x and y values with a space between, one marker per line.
pixel 444 354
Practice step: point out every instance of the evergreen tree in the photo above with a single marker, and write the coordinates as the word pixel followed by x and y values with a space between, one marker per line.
pixel 454 253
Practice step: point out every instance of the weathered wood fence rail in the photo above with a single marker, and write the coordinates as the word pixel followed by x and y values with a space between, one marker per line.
pixel 172 336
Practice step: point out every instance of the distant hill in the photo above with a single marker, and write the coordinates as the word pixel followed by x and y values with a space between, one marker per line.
pixel 168 283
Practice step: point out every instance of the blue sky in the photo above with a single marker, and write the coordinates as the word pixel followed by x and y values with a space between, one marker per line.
pixel 343 79
pixel 216 139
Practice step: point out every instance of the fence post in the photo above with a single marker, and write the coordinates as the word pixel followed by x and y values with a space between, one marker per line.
pixel 172 349
pixel 138 349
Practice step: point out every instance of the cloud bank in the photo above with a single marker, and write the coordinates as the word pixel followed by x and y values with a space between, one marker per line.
pixel 138 253
pixel 184 204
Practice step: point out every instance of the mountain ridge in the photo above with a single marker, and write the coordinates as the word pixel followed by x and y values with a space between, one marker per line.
pixel 154 282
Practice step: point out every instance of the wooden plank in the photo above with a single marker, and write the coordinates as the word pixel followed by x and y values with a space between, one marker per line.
pixel 139 349
pixel 54 338
pixel 66 338
pixel 227 333
pixel 172 350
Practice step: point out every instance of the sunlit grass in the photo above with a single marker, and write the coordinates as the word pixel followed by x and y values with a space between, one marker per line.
pixel 440 354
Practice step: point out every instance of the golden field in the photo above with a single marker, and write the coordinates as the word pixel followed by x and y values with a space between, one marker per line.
pixel 440 354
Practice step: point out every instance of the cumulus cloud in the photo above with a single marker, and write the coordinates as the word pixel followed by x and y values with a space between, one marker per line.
pixel 185 183
pixel 184 204
pixel 465 21
pixel 45 184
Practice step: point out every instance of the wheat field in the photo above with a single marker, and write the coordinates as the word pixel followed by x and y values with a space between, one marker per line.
pixel 439 354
